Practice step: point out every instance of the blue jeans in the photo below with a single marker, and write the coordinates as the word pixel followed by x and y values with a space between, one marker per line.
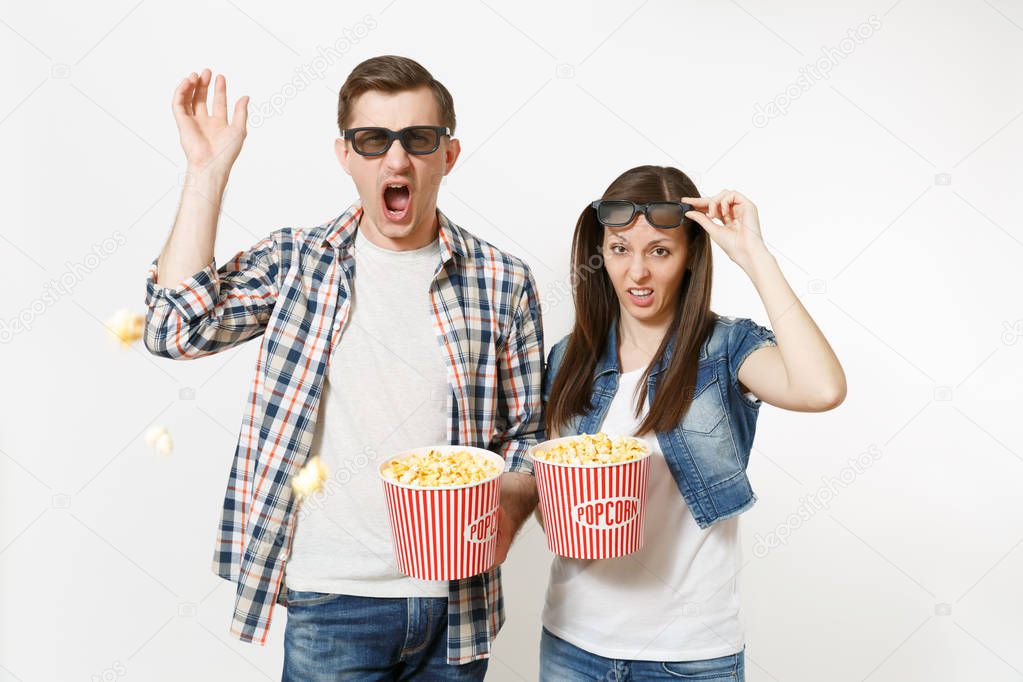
pixel 564 662
pixel 343 637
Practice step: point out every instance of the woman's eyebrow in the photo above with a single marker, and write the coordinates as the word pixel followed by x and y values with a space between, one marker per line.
pixel 619 239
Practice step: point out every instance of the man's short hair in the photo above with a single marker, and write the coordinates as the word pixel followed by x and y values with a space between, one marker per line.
pixel 391 73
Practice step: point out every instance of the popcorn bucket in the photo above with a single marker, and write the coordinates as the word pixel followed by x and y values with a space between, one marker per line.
pixel 448 532
pixel 592 511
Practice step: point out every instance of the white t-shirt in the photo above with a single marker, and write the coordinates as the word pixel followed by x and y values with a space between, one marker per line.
pixel 676 599
pixel 386 391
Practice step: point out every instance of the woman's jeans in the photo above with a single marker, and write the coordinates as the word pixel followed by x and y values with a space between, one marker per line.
pixel 342 637
pixel 564 662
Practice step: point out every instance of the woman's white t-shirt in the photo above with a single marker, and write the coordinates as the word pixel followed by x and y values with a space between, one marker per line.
pixel 676 599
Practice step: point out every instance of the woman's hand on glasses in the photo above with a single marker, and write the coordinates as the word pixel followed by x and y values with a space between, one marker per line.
pixel 211 144
pixel 738 233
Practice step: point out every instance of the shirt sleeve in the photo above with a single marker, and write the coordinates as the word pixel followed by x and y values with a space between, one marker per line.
pixel 745 337
pixel 215 308
pixel 520 377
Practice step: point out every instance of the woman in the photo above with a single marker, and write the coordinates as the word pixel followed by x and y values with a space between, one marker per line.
pixel 642 256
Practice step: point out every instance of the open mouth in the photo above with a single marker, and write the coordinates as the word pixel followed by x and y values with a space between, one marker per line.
pixel 641 295
pixel 397 200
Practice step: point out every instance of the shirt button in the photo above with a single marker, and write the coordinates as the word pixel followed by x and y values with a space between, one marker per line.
pixel 337 326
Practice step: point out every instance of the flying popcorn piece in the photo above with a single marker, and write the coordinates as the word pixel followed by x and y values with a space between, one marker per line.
pixel 164 445
pixel 126 326
pixel 310 478
pixel 159 439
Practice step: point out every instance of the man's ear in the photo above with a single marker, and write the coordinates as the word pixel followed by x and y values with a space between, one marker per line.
pixel 454 148
pixel 341 150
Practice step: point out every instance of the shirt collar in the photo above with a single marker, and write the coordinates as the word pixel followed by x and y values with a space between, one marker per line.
pixel 341 231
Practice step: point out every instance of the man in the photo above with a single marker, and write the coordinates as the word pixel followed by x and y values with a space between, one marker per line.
pixel 387 328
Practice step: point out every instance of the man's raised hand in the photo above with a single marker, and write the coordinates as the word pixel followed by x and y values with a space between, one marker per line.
pixel 210 142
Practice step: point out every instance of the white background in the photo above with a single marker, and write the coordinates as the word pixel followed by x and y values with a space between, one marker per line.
pixel 889 193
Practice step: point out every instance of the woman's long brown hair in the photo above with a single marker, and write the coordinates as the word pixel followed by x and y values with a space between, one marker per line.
pixel 597 308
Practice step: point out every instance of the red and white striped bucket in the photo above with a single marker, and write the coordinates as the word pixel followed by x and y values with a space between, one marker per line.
pixel 444 533
pixel 595 511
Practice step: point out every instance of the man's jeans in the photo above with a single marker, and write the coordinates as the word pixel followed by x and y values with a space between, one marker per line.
pixel 342 637
pixel 561 661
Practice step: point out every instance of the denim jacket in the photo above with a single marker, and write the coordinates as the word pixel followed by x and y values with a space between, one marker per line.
pixel 708 451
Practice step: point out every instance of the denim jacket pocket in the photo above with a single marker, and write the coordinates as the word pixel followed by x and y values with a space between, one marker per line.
pixel 707 431
pixel 707 410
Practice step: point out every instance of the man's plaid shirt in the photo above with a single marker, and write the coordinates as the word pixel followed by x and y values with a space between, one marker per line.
pixel 294 288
